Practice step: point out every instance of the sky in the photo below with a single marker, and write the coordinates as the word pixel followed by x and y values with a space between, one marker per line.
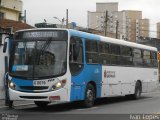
pixel 38 10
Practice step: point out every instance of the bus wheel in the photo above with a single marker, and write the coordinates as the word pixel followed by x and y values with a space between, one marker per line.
pixel 89 96
pixel 41 103
pixel 138 91
pixel 10 104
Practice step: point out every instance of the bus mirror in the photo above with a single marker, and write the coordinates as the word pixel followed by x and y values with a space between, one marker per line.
pixel 4 47
pixel 76 50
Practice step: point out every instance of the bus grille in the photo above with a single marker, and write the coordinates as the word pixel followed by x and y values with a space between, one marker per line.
pixel 33 87
pixel 34 97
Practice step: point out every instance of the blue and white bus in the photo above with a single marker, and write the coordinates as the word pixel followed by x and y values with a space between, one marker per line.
pixel 63 65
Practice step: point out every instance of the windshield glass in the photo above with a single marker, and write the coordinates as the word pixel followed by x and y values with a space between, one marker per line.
pixel 35 59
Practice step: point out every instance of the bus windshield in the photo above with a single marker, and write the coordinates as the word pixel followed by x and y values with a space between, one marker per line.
pixel 36 59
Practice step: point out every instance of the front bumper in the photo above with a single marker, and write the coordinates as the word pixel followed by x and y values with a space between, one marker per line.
pixel 60 95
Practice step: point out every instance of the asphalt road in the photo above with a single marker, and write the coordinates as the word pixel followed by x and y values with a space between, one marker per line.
pixel 117 108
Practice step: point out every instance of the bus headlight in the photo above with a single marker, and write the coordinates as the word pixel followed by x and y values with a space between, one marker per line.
pixel 11 85
pixel 58 84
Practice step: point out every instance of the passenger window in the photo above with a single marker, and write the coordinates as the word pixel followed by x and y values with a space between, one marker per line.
pixel 146 58
pixel 126 55
pixel 104 53
pixel 115 54
pixel 137 57
pixel 154 61
pixel 115 49
pixel 91 51
pixel 126 51
pixel 103 47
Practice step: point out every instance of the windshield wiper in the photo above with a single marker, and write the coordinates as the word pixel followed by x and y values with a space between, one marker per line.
pixel 42 49
pixel 46 45
pixel 38 53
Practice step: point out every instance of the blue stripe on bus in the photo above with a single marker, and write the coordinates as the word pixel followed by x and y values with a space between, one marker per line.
pixel 88 74
pixel 79 82
pixel 22 82
pixel 84 35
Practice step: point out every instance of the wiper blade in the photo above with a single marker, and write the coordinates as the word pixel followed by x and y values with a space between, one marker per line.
pixel 43 47
pixel 46 45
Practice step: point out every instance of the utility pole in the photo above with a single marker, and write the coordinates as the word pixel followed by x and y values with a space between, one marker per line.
pixel 117 25
pixel 25 19
pixel 0 9
pixel 106 20
pixel 67 18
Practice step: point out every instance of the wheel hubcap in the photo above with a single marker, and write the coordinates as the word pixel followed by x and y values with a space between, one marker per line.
pixel 138 93
pixel 90 95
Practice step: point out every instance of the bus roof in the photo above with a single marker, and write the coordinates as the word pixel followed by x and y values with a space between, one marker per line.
pixel 112 40
pixel 98 38
pixel 127 43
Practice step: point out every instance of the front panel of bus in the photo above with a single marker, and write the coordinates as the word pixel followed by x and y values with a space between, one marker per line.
pixel 38 66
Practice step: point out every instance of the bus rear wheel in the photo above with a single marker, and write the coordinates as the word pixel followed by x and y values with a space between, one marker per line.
pixel 138 91
pixel 41 103
pixel 89 96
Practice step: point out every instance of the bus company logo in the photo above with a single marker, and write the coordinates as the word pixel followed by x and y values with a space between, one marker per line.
pixel 50 80
pixel 110 74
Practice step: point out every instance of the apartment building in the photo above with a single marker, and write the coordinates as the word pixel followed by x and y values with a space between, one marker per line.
pixel 110 6
pixel 158 30
pixel 120 24
pixel 97 19
pixel 142 28
pixel 129 21
pixel 11 9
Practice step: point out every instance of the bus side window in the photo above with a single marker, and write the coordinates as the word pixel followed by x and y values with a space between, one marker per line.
pixel 146 58
pixel 126 56
pixel 91 52
pixel 137 57
pixel 76 63
pixel 115 54
pixel 154 61
pixel 104 53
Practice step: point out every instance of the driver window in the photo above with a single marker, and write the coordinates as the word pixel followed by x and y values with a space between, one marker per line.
pixel 76 55
pixel 78 58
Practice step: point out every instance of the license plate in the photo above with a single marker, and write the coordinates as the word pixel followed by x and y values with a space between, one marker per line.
pixel 39 83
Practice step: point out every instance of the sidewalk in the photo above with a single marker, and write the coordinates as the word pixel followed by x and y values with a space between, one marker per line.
pixel 2 103
pixel 16 103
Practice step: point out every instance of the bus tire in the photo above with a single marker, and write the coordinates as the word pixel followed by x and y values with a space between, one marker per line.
pixel 138 90
pixel 41 103
pixel 89 96
pixel 10 104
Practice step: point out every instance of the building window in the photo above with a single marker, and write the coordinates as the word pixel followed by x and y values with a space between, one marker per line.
pixel 1 15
